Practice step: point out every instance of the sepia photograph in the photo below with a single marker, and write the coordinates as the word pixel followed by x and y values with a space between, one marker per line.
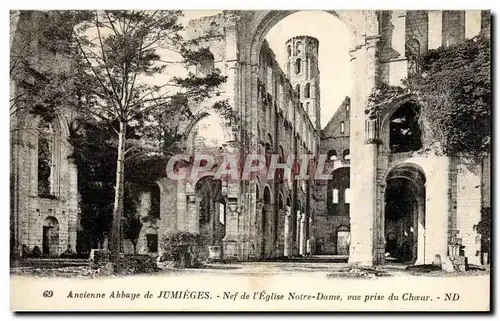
pixel 250 160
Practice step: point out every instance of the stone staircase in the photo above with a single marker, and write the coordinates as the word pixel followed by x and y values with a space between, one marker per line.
pixel 49 263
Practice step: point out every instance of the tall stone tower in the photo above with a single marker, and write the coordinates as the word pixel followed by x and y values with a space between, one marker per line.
pixel 303 72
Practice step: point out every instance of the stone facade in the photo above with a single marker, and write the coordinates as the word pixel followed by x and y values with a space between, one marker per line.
pixel 332 219
pixel 266 217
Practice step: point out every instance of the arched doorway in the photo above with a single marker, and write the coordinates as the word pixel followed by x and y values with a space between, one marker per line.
pixel 211 210
pixel 50 235
pixel 405 214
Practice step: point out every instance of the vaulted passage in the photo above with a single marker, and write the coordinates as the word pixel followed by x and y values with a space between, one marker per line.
pixel 404 214
pixel 211 210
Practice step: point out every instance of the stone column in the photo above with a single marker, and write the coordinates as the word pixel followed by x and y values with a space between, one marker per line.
pixel 230 241
pixel 364 140
pixel 73 209
pixel 297 234
pixel 182 213
pixel 302 239
pixel 193 224
pixel 437 210
pixel 421 234
pixel 310 238
pixel 288 239
pixel 72 237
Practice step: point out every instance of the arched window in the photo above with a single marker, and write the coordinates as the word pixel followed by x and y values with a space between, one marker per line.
pixel 307 90
pixel 336 192
pixel 206 65
pixel 346 154
pixel 347 196
pixel 281 202
pixel 297 88
pixel 267 195
pixel 298 66
pixel 289 50
pixel 342 127
pixel 45 156
pixel 405 133
pixel 298 48
pixel 335 196
pixel 308 105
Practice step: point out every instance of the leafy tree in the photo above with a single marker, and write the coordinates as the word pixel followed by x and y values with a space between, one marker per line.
pixel 119 63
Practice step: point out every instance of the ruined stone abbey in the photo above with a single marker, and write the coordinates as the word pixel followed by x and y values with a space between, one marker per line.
pixel 277 111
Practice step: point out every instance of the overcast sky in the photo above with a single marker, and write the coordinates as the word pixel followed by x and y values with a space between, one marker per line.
pixel 334 42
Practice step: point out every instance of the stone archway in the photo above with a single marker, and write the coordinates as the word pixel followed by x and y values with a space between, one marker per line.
pixel 252 28
pixel 211 210
pixel 404 214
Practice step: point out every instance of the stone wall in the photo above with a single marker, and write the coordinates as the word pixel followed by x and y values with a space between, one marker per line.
pixel 29 210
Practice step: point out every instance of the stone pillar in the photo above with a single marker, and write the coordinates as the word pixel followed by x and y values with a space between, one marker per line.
pixel 364 142
pixel 73 209
pixel 302 239
pixel 421 235
pixel 437 210
pixel 182 213
pixel 230 241
pixel 311 238
pixel 435 20
pixel 72 237
pixel 297 234
pixel 288 239
pixel 168 212
pixel 193 224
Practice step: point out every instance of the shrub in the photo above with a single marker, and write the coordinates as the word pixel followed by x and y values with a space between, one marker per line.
pixel 36 252
pixel 185 249
pixel 135 264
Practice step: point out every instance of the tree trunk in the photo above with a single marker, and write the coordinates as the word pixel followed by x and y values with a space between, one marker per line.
pixel 134 244
pixel 119 194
